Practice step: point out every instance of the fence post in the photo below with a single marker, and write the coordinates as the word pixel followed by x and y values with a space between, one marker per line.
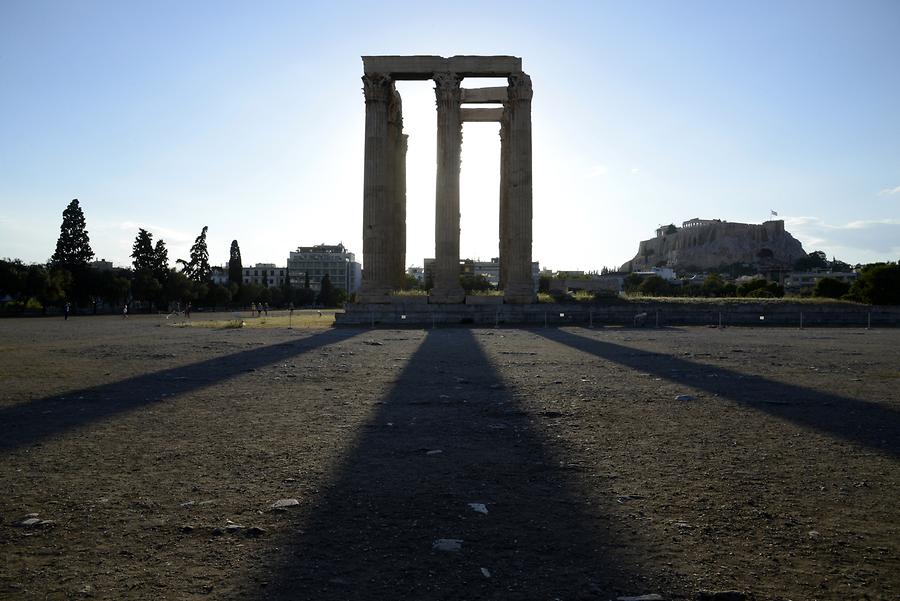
pixel 657 319
pixel 801 320
pixel 869 320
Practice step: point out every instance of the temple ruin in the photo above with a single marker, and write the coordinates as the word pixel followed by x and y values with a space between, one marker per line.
pixel 384 188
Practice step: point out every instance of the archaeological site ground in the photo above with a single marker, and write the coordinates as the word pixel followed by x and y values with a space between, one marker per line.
pixel 145 461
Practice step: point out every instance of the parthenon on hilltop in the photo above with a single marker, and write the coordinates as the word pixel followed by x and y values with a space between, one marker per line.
pixel 384 194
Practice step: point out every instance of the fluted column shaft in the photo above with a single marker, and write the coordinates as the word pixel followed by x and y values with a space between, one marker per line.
pixel 377 197
pixel 397 143
pixel 399 264
pixel 504 198
pixel 447 288
pixel 517 221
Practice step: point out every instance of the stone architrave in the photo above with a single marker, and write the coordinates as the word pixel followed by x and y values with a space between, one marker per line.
pixel 517 221
pixel 447 288
pixel 377 204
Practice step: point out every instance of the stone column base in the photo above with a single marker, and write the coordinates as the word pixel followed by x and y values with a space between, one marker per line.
pixel 373 294
pixel 519 295
pixel 447 296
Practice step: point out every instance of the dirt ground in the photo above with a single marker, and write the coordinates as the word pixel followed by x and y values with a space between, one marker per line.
pixel 152 457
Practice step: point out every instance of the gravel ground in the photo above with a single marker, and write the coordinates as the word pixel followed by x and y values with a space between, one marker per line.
pixel 446 464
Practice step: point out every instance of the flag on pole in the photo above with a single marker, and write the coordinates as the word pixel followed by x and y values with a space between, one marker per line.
pixel 774 213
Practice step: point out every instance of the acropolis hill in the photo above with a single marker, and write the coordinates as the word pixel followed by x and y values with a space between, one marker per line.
pixel 710 243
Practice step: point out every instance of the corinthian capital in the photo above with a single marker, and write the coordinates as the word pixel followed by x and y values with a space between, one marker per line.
pixel 377 87
pixel 519 87
pixel 446 89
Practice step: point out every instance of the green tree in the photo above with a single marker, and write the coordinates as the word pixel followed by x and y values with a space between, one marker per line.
pixel 142 253
pixel 235 267
pixel 177 288
pixel 327 295
pixel 653 286
pixel 814 260
pixel 831 288
pixel 713 284
pixel 877 284
pixel 73 247
pixel 197 268
pixel 161 262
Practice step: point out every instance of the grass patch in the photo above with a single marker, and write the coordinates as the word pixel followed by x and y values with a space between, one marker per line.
pixel 304 320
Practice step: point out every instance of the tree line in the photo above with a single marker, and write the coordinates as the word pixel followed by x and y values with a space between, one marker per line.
pixel 150 283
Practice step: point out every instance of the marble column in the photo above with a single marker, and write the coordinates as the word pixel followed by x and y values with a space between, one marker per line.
pixel 504 198
pixel 376 285
pixel 396 191
pixel 447 288
pixel 517 221
pixel 400 212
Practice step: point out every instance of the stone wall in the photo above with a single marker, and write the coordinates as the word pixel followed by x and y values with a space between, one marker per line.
pixel 781 314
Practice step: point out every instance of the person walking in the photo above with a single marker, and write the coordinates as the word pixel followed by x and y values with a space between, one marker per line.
pixel 187 311
pixel 66 310
pixel 125 311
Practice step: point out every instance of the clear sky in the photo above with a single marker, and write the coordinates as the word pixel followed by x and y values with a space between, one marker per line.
pixel 248 117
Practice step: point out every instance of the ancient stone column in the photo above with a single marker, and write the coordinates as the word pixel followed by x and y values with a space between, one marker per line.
pixel 377 175
pixel 446 227
pixel 517 221
pixel 400 212
pixel 396 191
pixel 504 198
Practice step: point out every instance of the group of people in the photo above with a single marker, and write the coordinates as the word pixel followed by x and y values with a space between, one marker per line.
pixel 259 308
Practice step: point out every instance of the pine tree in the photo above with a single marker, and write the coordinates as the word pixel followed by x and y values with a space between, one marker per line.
pixel 73 248
pixel 235 267
pixel 161 262
pixel 198 268
pixel 142 251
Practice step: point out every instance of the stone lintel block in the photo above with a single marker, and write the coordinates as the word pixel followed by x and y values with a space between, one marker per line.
pixel 481 115
pixel 423 67
pixel 497 95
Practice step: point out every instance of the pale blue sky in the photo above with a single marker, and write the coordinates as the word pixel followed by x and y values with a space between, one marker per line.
pixel 248 118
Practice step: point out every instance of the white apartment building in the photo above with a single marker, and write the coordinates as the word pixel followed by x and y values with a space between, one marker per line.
pixel 265 274
pixel 316 261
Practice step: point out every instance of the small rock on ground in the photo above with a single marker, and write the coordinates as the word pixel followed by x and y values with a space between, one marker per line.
pixel 447 544
pixel 285 503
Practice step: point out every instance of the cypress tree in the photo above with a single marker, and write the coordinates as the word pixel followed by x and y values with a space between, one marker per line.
pixel 142 251
pixel 73 248
pixel 235 267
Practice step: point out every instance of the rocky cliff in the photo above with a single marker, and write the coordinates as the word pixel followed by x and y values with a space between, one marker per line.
pixel 704 244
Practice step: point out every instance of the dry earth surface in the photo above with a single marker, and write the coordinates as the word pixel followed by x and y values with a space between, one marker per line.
pixel 151 457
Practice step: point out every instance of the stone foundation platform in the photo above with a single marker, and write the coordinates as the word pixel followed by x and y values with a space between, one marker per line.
pixel 760 314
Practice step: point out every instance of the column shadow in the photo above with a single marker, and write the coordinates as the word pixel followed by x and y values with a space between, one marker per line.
pixel 34 421
pixel 862 423
pixel 448 434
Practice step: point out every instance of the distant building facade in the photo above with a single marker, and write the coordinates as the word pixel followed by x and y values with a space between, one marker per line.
pixel 316 261
pixel 797 281
pixel 219 275
pixel 264 274
pixel 490 270
pixel 101 265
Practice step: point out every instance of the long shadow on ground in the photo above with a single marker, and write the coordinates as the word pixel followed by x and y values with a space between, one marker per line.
pixel 859 422
pixel 449 434
pixel 40 419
